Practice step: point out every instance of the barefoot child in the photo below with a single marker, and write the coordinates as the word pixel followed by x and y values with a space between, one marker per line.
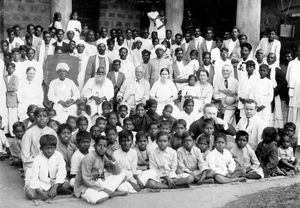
pixel 245 157
pixel 202 143
pixel 141 149
pixel 16 144
pixel 190 161
pixel 153 130
pixel 221 162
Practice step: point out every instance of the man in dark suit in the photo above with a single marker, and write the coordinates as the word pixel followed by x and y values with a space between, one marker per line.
pixel 115 76
pixel 208 43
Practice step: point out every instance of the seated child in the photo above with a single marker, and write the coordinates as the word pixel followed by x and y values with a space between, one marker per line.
pixel 123 113
pixel 152 130
pixel 48 172
pixel 163 160
pixel 151 106
pixel 52 113
pixel 126 157
pixel 112 120
pixel 176 141
pixel 84 110
pixel 71 120
pixel 53 124
pixel 287 161
pixel 245 157
pixel 222 163
pixel 101 123
pixel 82 125
pixel 16 144
pixel 208 131
pixel 290 129
pixel 29 122
pixel 4 145
pixel 141 149
pixel 166 115
pixel 112 139
pixel 106 108
pixel 267 153
pixel 202 143
pixel 65 146
pixel 83 140
pixel 141 120
pixel 188 114
pixel 165 126
pixel 190 161
pixel 90 183
pixel 128 125
pixel 95 132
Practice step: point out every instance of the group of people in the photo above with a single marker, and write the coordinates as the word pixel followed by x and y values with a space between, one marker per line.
pixel 145 111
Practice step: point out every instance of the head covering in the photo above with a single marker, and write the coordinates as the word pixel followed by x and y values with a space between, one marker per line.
pixel 160 46
pixel 138 39
pixel 62 66
pixel 80 42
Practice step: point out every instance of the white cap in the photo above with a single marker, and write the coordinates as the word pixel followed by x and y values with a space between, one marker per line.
pixel 62 66
pixel 80 42
pixel 138 39
pixel 160 46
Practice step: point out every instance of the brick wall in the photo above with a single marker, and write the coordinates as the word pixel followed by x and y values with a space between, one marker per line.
pixel 118 14
pixel 23 12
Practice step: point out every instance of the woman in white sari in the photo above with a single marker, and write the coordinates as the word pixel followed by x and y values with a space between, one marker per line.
pixel 164 92
pixel 30 92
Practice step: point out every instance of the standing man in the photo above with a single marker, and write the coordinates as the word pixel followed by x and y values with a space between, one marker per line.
pixel 233 44
pixel 208 44
pixel 195 43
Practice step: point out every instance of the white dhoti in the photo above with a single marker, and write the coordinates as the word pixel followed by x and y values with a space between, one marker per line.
pixel 63 113
pixel 95 108
pixel 111 183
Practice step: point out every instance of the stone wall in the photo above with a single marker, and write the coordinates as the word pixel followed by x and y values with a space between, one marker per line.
pixel 118 14
pixel 23 12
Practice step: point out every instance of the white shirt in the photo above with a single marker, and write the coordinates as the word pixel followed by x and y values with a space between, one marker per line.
pixel 39 74
pixel 208 44
pixel 128 69
pixel 221 163
pixel 194 116
pixel 126 160
pixel 246 86
pixel 46 172
pixel 92 89
pixel 263 92
pixel 218 68
pixel 75 161
pixel 232 45
pixel 180 67
pixel 62 90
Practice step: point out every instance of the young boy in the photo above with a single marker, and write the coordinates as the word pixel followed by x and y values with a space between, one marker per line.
pixel 221 162
pixel 83 140
pixel 163 160
pixel 127 160
pixel 153 130
pixel 245 157
pixel 101 123
pixel 202 143
pixel 112 138
pixel 90 183
pixel 4 145
pixel 123 113
pixel 82 125
pixel 166 115
pixel 165 126
pixel 30 141
pixel 290 129
pixel 48 172
pixel 208 131
pixel 128 125
pixel 141 149
pixel 12 85
pixel 65 146
pixel 29 122
pixel 190 161
pixel 71 120
pixel 263 95
pixel 16 144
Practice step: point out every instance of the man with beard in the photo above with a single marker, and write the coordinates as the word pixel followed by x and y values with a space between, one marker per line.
pixel 97 90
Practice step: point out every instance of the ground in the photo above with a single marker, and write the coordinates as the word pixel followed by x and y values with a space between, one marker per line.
pixel 208 196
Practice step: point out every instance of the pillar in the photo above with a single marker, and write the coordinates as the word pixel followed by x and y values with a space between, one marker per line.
pixel 248 19
pixel 65 8
pixel 174 15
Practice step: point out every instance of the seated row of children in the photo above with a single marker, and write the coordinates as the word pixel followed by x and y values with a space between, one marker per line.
pixel 104 163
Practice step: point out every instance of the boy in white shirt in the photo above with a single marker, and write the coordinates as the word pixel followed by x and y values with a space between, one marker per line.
pixel 48 172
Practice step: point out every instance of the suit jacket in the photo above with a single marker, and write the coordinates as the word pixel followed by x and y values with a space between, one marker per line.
pixel 211 73
pixel 193 46
pixel 203 48
pixel 116 82
pixel 64 47
pixel 236 50
pixel 282 87
pixel 91 67
pixel 174 69
pixel 11 91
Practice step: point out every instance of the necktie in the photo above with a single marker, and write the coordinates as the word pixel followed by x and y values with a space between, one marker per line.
pixel 248 121
pixel 226 83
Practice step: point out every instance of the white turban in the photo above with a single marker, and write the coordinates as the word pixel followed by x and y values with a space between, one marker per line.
pixel 80 42
pixel 160 46
pixel 62 66
pixel 138 39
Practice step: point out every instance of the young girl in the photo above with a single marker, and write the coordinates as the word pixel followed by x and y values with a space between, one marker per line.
pixel 188 113
pixel 74 25
pixel 112 120
pixel 166 115
pixel 112 137
pixel 245 157
pixel 202 143
pixel 56 21
pixel 192 92
pixel 287 161
pixel 128 125
pixel 142 120
pixel 193 66
pixel 221 162
pixel 141 149
pixel 267 152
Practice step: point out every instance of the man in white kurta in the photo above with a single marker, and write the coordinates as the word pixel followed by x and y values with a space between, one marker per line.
pixel 97 90
pixel 127 66
pixel 83 60
pixel 63 93
pixel 251 123
pixel 293 78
